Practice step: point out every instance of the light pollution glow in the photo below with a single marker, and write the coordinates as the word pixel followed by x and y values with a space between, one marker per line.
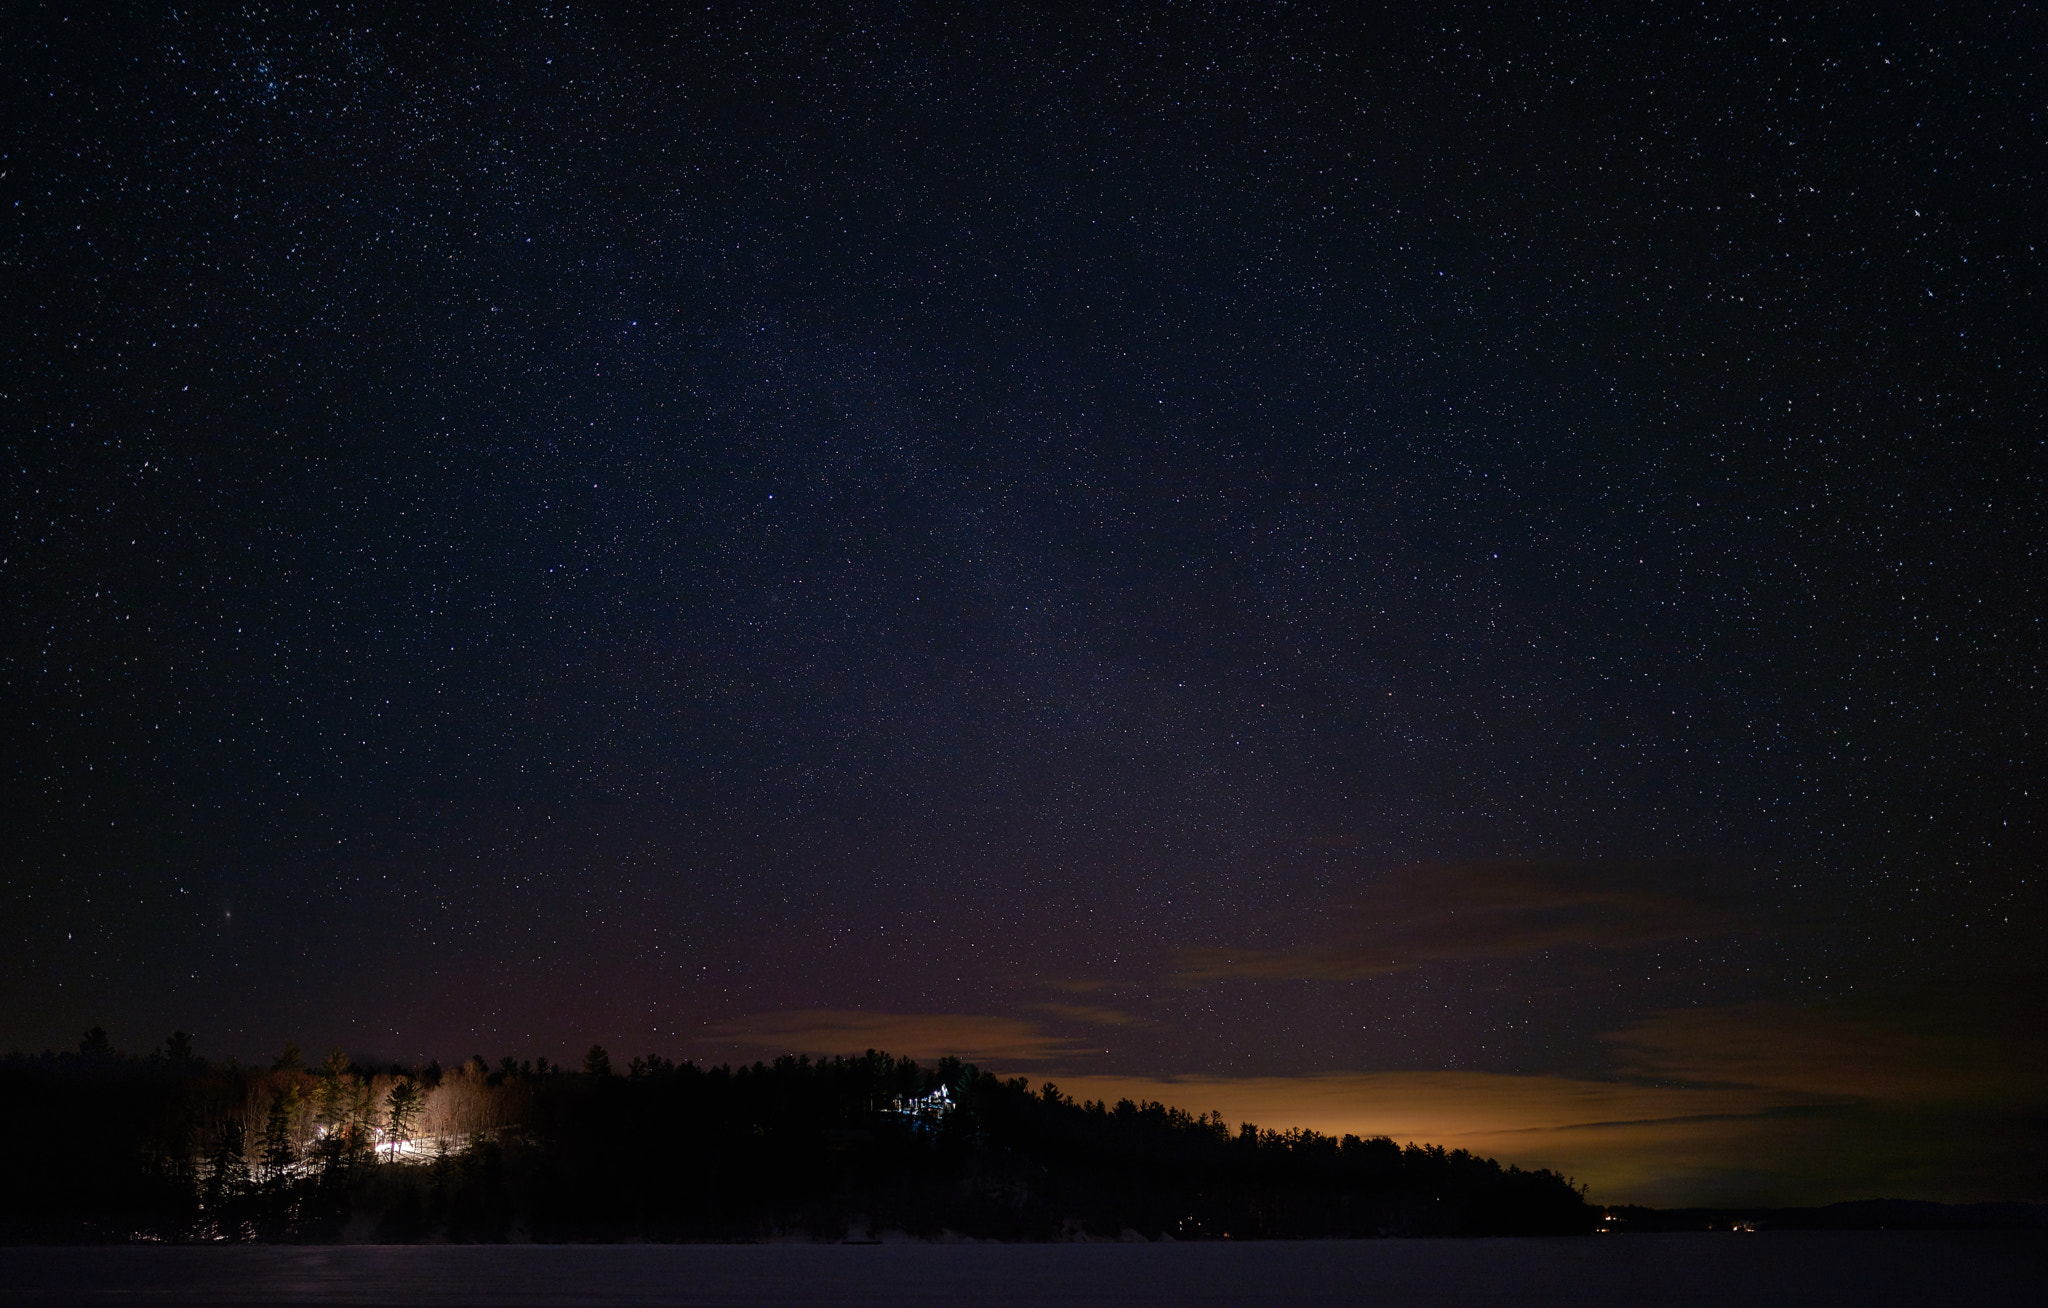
pixel 1768 1103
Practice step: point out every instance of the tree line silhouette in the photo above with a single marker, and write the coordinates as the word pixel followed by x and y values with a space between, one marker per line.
pixel 170 1147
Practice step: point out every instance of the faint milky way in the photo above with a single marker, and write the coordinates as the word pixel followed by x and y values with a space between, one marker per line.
pixel 1096 538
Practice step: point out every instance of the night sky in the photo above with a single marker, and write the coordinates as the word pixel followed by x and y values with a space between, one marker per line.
pixel 1471 576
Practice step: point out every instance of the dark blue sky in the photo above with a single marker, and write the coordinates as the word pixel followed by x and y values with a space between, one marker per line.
pixel 559 525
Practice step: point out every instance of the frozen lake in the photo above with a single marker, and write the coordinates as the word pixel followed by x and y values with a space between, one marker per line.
pixel 1805 1268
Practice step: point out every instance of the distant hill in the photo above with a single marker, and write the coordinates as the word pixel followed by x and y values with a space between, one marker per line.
pixel 1860 1215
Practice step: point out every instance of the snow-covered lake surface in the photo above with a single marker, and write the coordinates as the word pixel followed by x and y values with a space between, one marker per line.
pixel 1859 1268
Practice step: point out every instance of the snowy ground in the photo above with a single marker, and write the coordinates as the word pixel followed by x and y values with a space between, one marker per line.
pixel 1804 1268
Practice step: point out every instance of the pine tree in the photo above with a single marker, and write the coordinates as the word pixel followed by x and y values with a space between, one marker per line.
pixel 343 1108
pixel 278 1153
pixel 402 1108
pixel 227 1180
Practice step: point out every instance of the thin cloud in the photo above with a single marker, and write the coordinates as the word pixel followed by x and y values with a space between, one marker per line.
pixel 1938 1046
pixel 1074 985
pixel 1503 908
pixel 1088 1014
pixel 925 1036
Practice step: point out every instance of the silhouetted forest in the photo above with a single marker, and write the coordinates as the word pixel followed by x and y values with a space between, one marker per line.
pixel 103 1146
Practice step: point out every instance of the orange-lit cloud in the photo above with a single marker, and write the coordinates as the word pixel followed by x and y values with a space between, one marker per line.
pixel 977 1038
pixel 1926 1094
pixel 1616 1136
pixel 1502 908
pixel 1772 1103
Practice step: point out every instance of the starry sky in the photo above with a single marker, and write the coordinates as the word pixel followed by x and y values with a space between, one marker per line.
pixel 1466 574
